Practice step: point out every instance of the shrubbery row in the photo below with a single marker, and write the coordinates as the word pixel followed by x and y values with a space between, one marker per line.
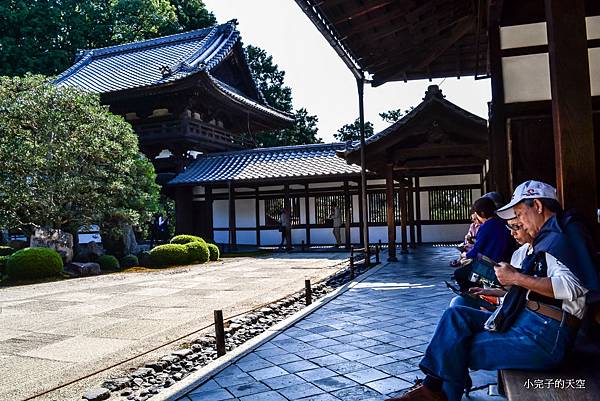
pixel 182 250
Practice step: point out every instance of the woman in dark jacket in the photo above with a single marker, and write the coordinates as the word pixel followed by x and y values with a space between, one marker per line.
pixel 493 239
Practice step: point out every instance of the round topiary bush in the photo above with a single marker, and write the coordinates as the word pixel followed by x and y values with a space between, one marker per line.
pixel 197 251
pixel 185 239
pixel 6 250
pixel 168 255
pixel 33 263
pixel 108 262
pixel 129 261
pixel 214 251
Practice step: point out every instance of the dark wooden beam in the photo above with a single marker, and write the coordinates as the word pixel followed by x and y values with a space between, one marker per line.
pixel 347 211
pixel 498 135
pixel 184 224
pixel 361 214
pixel 232 222
pixel 391 218
pixel 572 106
pixel 307 213
pixel 403 218
pixel 288 209
pixel 257 215
pixel 411 216
pixel 209 213
pixel 418 210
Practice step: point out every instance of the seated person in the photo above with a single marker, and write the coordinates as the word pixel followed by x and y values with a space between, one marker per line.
pixel 492 240
pixel 492 295
pixel 469 241
pixel 535 334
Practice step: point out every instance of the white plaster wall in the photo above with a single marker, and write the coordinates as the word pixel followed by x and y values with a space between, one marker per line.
pixel 271 188
pixel 245 212
pixel 326 185
pixel 299 235
pixel 261 208
pixel 476 194
pixel 221 237
pixel 270 237
pixel 594 56
pixel 355 208
pixel 323 236
pixel 246 237
pixel 221 214
pixel 526 78
pixel 593 27
pixel 523 35
pixel 198 190
pixel 311 205
pixel 302 211
pixel 354 235
pixel 444 233
pixel 462 179
pixel 220 190
pixel 424 205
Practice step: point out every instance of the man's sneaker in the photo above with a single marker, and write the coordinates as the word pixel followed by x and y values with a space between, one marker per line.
pixel 420 392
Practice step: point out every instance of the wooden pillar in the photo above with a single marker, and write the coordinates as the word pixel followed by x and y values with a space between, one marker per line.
pixel 183 210
pixel 418 210
pixel 232 233
pixel 572 106
pixel 498 135
pixel 307 214
pixel 257 215
pixel 347 202
pixel 391 216
pixel 361 214
pixel 209 214
pixel 288 209
pixel 411 216
pixel 360 82
pixel 403 216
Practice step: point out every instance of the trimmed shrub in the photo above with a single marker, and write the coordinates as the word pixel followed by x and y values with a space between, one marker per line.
pixel 3 260
pixel 185 239
pixel 33 263
pixel 168 255
pixel 144 258
pixel 6 250
pixel 197 251
pixel 108 262
pixel 129 261
pixel 214 251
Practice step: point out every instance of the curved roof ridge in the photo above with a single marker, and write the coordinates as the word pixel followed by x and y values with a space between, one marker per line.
pixel 274 149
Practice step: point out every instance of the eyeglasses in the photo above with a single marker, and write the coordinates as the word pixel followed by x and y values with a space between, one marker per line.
pixel 514 227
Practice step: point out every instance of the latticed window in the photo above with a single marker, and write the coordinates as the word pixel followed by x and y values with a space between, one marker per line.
pixel 273 208
pixel 450 204
pixel 378 207
pixel 324 207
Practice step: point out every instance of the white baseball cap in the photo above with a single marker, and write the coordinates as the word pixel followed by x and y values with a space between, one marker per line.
pixel 528 190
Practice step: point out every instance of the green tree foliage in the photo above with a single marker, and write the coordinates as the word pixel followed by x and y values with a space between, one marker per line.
pixel 351 132
pixel 303 132
pixel 42 36
pixel 391 116
pixel 66 161
pixel 270 81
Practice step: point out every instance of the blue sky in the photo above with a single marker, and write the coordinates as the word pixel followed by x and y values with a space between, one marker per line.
pixel 319 79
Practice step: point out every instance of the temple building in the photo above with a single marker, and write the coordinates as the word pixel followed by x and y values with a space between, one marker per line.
pixel 184 94
pixel 424 172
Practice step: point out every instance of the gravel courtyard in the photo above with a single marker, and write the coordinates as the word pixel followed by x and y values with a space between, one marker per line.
pixel 53 333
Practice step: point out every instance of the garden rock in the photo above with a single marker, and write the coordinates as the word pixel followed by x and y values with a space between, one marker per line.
pixel 77 269
pixel 97 394
pixel 58 240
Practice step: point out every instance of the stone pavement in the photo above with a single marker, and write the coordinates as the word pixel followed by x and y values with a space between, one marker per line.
pixel 363 345
pixel 52 333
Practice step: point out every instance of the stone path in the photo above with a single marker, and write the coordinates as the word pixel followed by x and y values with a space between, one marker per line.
pixel 52 333
pixel 364 345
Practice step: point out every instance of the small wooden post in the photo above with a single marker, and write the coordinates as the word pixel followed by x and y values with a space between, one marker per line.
pixel 367 257
pixel 302 246
pixel 377 253
pixel 352 251
pixel 219 333
pixel 308 292
pixel 351 267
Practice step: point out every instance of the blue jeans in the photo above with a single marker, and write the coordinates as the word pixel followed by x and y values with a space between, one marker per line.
pixel 534 342
pixel 464 301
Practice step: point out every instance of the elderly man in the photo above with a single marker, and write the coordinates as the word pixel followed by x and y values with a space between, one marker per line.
pixel 541 312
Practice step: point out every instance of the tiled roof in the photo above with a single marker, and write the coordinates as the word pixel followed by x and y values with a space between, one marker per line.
pixel 433 94
pixel 267 163
pixel 162 60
